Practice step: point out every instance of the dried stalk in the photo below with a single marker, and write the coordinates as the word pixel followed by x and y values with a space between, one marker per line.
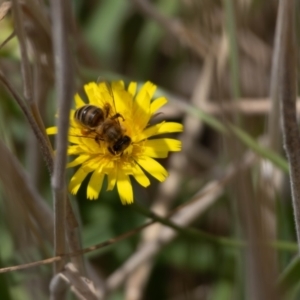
pixel 288 96
pixel 244 106
pixel 183 216
pixel 11 173
pixel 82 287
pixel 79 252
pixel 43 141
pixel 25 65
pixel 169 189
pixel 64 88
pixel 176 28
pixel 274 114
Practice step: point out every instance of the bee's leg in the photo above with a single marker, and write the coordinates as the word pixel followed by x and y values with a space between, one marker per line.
pixel 106 110
pixel 111 150
pixel 117 115
pixel 98 139
pixel 86 131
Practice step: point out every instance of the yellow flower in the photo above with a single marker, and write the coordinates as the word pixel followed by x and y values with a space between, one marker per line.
pixel 98 156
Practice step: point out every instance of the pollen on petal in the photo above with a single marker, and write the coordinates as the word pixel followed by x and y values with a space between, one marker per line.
pixel 153 167
pixel 124 187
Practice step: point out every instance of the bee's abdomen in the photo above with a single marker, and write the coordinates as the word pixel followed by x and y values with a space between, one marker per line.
pixel 89 115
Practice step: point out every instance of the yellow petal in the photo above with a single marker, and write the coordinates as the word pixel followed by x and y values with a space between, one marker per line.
pixel 77 180
pixel 123 103
pixel 124 187
pixel 73 121
pixel 153 167
pixel 118 85
pixel 75 150
pixel 51 130
pixel 111 171
pixel 157 104
pixel 155 153
pixel 78 160
pixel 164 144
pixel 78 101
pixel 140 176
pixel 141 115
pixel 132 88
pixel 94 162
pixel 160 148
pixel 78 149
pixel 148 88
pixel 141 105
pixel 106 94
pixel 93 94
pixel 95 184
pixel 161 128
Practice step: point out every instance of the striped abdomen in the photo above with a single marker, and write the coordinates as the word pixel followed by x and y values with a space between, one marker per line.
pixel 89 116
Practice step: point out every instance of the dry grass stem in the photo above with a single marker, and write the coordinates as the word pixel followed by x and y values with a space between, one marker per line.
pixel 81 286
pixel 183 216
pixel 11 36
pixel 58 287
pixel 207 191
pixel 77 253
pixel 244 106
pixel 4 8
pixel 25 64
pixel 175 27
pixel 12 175
pixel 65 91
pixel 218 223
pixel 169 189
pixel 274 114
pixel 43 141
pixel 288 96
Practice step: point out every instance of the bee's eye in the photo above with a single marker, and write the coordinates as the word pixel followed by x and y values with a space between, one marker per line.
pixel 122 143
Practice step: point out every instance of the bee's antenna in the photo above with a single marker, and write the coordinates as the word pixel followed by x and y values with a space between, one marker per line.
pixel 83 136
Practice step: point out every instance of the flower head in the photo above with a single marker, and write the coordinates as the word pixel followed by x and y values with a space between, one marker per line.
pixel 123 145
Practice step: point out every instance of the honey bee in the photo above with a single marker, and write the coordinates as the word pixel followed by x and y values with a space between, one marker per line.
pixel 104 124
